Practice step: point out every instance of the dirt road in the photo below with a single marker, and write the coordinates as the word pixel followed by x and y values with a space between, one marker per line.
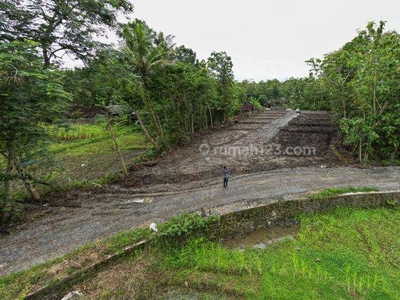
pixel 85 216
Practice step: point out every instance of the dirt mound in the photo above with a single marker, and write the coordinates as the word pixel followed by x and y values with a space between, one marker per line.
pixel 313 130
pixel 266 141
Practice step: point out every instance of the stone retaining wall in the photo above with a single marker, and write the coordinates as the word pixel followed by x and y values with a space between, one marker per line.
pixel 248 220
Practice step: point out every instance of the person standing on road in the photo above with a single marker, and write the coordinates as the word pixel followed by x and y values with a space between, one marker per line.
pixel 225 175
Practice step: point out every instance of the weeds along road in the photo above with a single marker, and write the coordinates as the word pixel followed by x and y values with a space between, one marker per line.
pixel 87 216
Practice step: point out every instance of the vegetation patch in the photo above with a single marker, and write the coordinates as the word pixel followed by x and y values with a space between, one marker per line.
pixel 78 139
pixel 80 155
pixel 20 284
pixel 347 253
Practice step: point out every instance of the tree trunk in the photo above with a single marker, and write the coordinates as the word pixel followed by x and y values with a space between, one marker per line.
pixel 191 119
pixel 205 119
pixel 28 185
pixel 393 156
pixel 374 89
pixel 156 120
pixel 46 58
pixel 344 107
pixel 165 113
pixel 159 125
pixel 145 130
pixel 148 103
pixel 211 118
pixel 117 148
pixel 8 183
pixel 7 204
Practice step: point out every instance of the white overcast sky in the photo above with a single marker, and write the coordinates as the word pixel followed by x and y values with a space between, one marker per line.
pixel 266 39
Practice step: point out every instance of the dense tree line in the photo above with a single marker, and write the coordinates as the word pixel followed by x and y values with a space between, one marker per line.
pixel 359 83
pixel 170 91
pixel 166 88
pixel 363 85
pixel 305 93
pixel 34 36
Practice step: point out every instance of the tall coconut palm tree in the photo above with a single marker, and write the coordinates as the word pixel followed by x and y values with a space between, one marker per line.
pixel 146 51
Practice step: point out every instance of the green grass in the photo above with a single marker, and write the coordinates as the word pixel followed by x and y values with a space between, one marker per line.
pixel 343 254
pixel 73 132
pixel 330 192
pixel 84 156
pixel 88 139
pixel 346 254
pixel 19 284
pixel 93 160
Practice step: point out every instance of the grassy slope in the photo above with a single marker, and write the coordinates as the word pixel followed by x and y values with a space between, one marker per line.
pixel 347 254
pixel 87 152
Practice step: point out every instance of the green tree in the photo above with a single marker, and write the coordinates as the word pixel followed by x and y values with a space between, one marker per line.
pixel 220 65
pixel 186 93
pixel 185 55
pixel 29 95
pixel 377 87
pixel 336 72
pixel 363 84
pixel 60 27
pixel 145 52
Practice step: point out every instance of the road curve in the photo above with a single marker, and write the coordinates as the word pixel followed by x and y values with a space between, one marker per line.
pixel 93 216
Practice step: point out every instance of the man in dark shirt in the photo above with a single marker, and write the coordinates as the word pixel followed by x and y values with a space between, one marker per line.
pixel 225 173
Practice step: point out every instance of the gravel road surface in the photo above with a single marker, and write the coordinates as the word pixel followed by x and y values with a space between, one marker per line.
pixel 93 216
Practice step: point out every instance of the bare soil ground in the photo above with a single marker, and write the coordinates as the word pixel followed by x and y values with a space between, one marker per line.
pixel 249 145
pixel 269 160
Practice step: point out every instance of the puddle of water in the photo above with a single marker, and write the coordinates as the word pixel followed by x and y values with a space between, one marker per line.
pixel 263 237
